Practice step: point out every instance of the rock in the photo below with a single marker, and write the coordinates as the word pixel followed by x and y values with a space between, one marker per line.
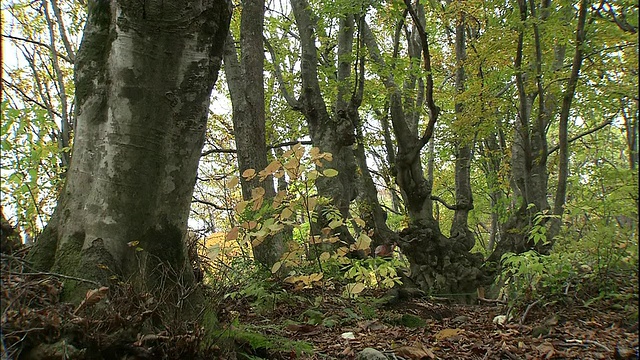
pixel 370 354
pixel 460 319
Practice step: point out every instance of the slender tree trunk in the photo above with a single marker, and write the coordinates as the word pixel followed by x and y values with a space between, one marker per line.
pixel 563 154
pixel 464 200
pixel 245 81
pixel 143 83
pixel 334 134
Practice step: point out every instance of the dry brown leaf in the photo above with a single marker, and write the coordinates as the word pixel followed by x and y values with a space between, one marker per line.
pixel 414 352
pixel 447 333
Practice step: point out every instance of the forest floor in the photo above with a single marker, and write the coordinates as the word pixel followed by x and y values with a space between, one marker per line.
pixel 311 324
pixel 340 328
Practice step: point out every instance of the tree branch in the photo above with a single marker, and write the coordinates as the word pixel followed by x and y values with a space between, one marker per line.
pixel 440 200
pixel 64 57
pixel 583 134
pixel 204 202
pixel 275 146
pixel 291 100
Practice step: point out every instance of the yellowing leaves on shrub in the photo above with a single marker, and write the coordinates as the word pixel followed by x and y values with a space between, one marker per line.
pixel 257 193
pixel 241 206
pixel 330 172
pixel 286 213
pixel 277 200
pixel 276 267
pixel 354 289
pixel 362 243
pixel 232 182
pixel 233 234
pixel 335 223
pixel 249 174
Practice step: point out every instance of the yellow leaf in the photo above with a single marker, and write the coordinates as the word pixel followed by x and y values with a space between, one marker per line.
pixel 273 167
pixel 363 242
pixel 292 279
pixel 313 174
pixel 330 172
pixel 359 221
pixel 314 152
pixel 335 223
pixel 276 267
pixel 315 240
pixel 249 174
pixel 257 203
pixel 325 256
pixel 233 234
pixel 257 241
pixel 342 251
pixel 257 192
pixel 232 182
pixel 277 200
pixel 241 206
pixel 311 203
pixel 328 156
pixel 355 288
pixel 133 243
pixel 286 213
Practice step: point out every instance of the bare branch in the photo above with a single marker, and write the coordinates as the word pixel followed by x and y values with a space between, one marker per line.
pixel 17 38
pixel 583 134
pixel 291 100
pixel 204 202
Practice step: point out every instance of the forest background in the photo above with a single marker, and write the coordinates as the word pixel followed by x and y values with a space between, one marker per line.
pixel 478 139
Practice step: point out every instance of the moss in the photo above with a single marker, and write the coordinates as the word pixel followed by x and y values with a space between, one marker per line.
pixel 67 260
pixel 42 256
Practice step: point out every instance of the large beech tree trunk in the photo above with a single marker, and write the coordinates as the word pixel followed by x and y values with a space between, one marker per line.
pixel 144 75
pixel 439 265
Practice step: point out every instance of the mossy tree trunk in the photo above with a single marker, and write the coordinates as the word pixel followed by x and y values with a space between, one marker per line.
pixel 143 76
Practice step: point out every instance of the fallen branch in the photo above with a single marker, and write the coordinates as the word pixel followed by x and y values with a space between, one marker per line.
pixel 524 316
pixel 57 275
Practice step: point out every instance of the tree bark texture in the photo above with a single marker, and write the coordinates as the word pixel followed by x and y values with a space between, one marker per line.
pixel 245 79
pixel 464 200
pixel 334 134
pixel 439 265
pixel 144 75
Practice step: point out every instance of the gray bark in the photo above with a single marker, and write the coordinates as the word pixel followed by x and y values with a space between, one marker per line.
pixel 334 134
pixel 144 75
pixel 464 200
pixel 439 265
pixel 245 79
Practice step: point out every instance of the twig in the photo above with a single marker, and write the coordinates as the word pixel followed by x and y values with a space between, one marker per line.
pixel 524 316
pixel 57 275
pixel 593 342
pixel 492 301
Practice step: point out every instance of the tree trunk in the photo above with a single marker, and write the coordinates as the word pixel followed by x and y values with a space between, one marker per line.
pixel 439 265
pixel 460 232
pixel 144 75
pixel 334 134
pixel 245 81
